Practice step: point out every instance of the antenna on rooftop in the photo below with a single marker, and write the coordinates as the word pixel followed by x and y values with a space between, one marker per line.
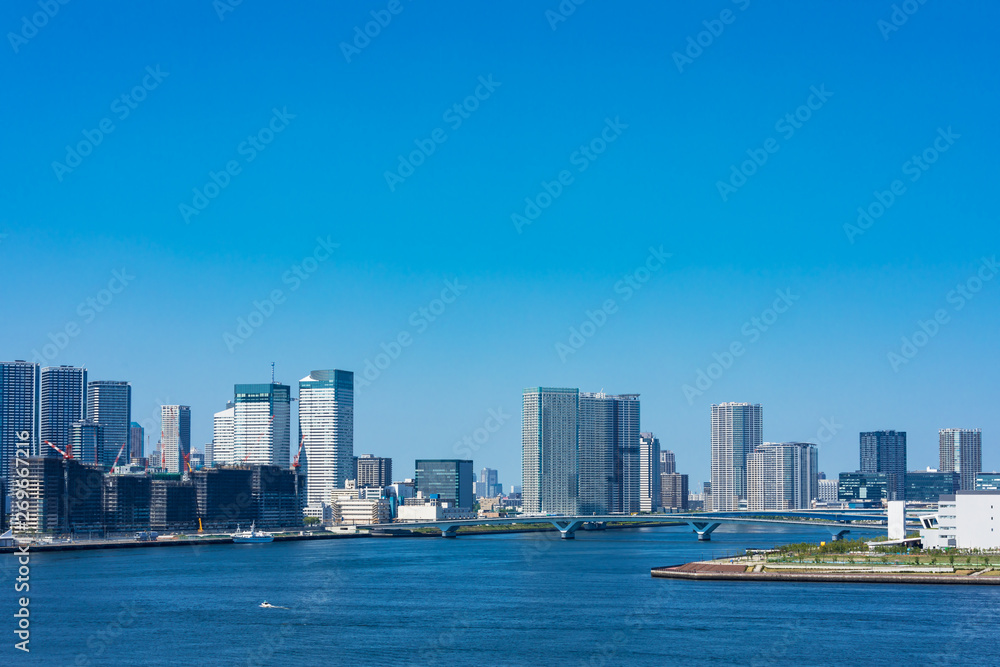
pixel 272 372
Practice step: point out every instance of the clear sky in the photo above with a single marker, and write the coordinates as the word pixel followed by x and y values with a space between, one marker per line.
pixel 623 133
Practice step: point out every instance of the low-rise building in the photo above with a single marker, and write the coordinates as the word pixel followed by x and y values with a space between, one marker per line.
pixel 927 487
pixel 965 520
pixel 988 481
pixel 866 487
pixel 360 511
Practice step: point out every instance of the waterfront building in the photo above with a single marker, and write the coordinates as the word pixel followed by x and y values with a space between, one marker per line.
pixel 782 476
pixel 826 490
pixel 649 472
pixel 447 479
pixel 737 429
pixel 326 430
pixel 988 481
pixel 668 462
pixel 19 400
pixel 625 498
pixel 173 504
pixel 373 471
pixel 262 424
pixel 549 439
pixel 64 495
pixel 926 487
pixel 109 403
pixel 127 499
pixel 176 437
pixel 276 496
pixel 223 496
pixel 423 509
pixel 674 492
pixel 360 511
pixel 961 452
pixel 594 446
pixel 137 441
pixel 863 486
pixel 62 401
pixel 965 520
pixel 885 452
pixel 86 441
pixel 223 423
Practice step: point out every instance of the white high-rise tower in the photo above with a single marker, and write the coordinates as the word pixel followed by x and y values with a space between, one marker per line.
pixel 736 431
pixel 326 429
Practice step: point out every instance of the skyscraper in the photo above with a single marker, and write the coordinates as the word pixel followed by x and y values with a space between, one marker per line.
pixel 885 451
pixel 626 480
pixel 962 453
pixel 649 472
pixel 373 471
pixel 736 430
pixel 19 400
pixel 109 404
pixel 488 485
pixel 137 441
pixel 668 463
pixel 176 436
pixel 262 424
pixel 63 400
pixel 86 438
pixel 326 429
pixel 549 450
pixel 449 479
pixel 782 476
pixel 595 453
pixel 222 436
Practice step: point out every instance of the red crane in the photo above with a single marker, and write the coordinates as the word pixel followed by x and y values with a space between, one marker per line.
pixel 295 462
pixel 119 456
pixel 68 454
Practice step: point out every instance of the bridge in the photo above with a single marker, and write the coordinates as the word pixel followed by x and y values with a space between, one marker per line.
pixel 701 523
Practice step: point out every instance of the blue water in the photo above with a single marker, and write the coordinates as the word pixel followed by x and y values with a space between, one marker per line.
pixel 526 599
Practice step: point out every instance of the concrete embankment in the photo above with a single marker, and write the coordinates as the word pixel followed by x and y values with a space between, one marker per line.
pixel 184 542
pixel 711 571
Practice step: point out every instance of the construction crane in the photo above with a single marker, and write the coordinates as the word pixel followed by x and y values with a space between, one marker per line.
pixel 295 461
pixel 68 454
pixel 187 461
pixel 122 449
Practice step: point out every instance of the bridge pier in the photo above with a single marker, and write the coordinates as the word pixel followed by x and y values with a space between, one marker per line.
pixel 839 535
pixel 449 531
pixel 567 529
pixel 704 529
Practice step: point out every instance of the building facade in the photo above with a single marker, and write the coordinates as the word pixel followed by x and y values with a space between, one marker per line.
pixel 668 462
pixel 62 401
pixel 262 424
pixel 988 481
pixel 19 400
pixel 674 492
pixel 885 452
pixel 488 484
pixel 176 437
pixel 782 476
pixel 737 429
pixel 109 403
pixel 965 520
pixel 223 423
pixel 549 440
pixel 961 452
pixel 373 471
pixel 137 441
pixel 927 487
pixel 326 431
pixel 826 490
pixel 86 441
pixel 595 452
pixel 870 487
pixel 449 479
pixel 649 472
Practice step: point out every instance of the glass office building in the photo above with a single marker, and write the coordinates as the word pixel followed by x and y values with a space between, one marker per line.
pixel 863 486
pixel 885 452
pixel 109 403
pixel 926 487
pixel 449 479
pixel 62 401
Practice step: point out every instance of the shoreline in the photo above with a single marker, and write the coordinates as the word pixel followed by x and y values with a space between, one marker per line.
pixel 717 571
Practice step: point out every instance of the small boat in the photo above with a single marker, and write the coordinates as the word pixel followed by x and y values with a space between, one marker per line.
pixel 267 605
pixel 251 536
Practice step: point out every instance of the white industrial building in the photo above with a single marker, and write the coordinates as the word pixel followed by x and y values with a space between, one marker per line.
pixel 966 520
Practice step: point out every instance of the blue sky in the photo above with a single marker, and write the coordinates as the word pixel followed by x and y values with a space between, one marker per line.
pixel 336 124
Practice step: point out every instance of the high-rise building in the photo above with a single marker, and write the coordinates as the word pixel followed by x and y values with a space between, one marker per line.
pixel 674 491
pixel 668 462
pixel 62 401
pixel 176 438
pixel 373 471
pixel 262 424
pixel 86 439
pixel 549 439
pixel 109 403
pixel 488 484
pixel 737 428
pixel 326 431
pixel 962 453
pixel 649 472
pixel 625 497
pixel 885 452
pixel 137 441
pixel 449 479
pixel 19 399
pixel 595 450
pixel 222 436
pixel 782 476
